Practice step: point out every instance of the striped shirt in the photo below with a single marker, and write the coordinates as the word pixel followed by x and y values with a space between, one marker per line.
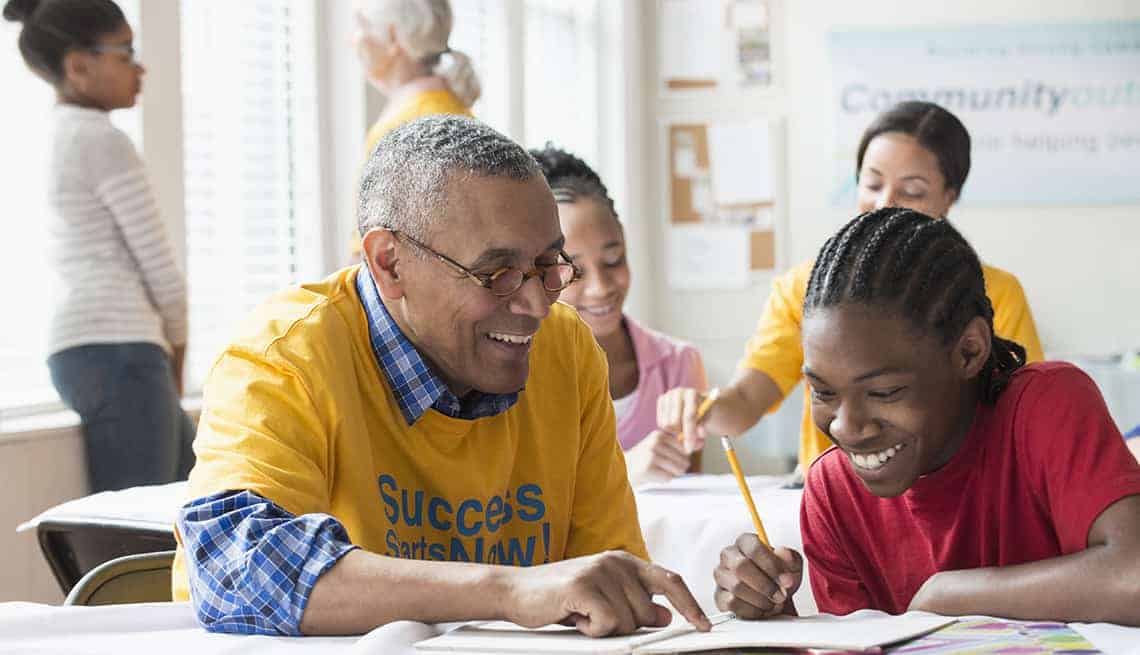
pixel 118 278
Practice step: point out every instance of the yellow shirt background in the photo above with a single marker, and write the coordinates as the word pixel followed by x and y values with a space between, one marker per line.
pixel 424 103
pixel 297 410
pixel 775 349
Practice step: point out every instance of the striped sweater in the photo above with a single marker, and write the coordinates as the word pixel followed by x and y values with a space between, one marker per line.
pixel 119 280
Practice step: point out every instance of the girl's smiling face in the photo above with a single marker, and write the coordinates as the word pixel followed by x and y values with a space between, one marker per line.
pixel 594 241
pixel 896 400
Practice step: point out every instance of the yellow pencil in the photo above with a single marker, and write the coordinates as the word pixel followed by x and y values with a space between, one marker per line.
pixel 703 409
pixel 730 452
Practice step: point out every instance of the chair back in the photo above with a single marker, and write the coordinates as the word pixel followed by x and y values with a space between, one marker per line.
pixel 143 578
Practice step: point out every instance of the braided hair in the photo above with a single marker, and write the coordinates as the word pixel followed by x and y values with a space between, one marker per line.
pixel 570 178
pixel 52 28
pixel 923 268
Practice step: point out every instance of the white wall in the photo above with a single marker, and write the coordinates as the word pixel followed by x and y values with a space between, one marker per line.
pixel 1080 266
pixel 40 468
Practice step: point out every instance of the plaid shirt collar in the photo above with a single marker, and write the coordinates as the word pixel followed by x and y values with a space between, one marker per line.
pixel 416 387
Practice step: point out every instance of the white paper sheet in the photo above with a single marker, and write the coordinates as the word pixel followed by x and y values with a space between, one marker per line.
pixel 851 632
pixel 690 32
pixel 740 158
pixel 707 257
pixel 857 631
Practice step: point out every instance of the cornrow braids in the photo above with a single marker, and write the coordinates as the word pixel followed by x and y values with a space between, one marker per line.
pixel 570 178
pixel 921 267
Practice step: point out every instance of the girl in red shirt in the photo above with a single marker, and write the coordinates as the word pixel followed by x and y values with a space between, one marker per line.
pixel 960 480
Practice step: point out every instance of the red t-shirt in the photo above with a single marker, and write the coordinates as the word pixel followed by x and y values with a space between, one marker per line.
pixel 1031 477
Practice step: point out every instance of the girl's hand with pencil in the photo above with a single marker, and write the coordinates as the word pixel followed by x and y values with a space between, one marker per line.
pixel 755 581
pixel 680 413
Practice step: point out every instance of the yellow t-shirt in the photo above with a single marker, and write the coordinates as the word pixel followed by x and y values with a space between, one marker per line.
pixel 297 410
pixel 776 351
pixel 425 103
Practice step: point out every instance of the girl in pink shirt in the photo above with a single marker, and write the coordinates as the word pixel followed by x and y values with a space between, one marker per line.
pixel 643 364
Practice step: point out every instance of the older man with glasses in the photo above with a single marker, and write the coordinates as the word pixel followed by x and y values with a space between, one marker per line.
pixel 378 445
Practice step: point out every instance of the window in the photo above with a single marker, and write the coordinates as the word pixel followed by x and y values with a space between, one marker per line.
pixel 479 30
pixel 251 158
pixel 561 76
pixel 538 62
pixel 29 289
pixel 252 149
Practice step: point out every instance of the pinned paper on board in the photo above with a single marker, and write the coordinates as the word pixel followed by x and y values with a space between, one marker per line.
pixel 751 28
pixel 689 32
pixel 741 163
pixel 706 44
pixel 707 257
pixel 722 176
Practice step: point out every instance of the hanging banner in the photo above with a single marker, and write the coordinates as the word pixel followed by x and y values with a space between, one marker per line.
pixel 1053 110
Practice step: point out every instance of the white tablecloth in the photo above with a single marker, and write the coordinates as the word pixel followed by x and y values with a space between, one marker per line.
pixel 170 629
pixel 685 522
pixel 154 507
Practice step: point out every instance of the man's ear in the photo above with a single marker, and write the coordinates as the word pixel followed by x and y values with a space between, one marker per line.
pixel 973 348
pixel 380 254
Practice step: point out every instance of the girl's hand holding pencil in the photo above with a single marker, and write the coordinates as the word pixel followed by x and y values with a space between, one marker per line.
pixel 681 411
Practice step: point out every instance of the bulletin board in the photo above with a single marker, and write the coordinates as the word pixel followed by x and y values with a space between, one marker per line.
pixel 721 177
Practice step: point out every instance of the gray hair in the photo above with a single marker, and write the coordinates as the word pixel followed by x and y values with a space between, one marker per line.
pixel 404 185
pixel 423 28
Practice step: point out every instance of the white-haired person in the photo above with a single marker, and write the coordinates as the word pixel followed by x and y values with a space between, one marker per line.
pixel 403 47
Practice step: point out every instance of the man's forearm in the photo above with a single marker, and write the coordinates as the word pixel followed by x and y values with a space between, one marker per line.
pixel 365 590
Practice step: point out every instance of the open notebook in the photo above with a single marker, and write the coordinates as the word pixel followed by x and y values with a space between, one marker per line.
pixel 852 632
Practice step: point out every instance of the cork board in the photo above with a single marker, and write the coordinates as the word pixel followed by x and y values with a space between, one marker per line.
pixel 691 198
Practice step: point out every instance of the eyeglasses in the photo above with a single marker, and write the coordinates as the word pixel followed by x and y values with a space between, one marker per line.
pixel 127 49
pixel 505 281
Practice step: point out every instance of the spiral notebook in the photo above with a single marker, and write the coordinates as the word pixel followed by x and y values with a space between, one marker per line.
pixel 855 632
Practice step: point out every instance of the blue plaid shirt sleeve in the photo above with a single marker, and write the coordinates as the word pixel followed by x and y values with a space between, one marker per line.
pixel 252 565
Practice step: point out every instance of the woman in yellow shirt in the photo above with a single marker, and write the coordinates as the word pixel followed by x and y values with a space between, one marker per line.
pixel 402 45
pixel 915 155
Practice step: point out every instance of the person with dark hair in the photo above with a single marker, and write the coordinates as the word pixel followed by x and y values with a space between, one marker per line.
pixel 118 335
pixel 643 363
pixel 373 443
pixel 915 155
pixel 962 480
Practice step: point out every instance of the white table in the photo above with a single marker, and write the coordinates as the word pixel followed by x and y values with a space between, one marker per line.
pixel 685 523
pixel 170 629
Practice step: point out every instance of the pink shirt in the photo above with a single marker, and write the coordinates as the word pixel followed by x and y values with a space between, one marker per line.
pixel 663 363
